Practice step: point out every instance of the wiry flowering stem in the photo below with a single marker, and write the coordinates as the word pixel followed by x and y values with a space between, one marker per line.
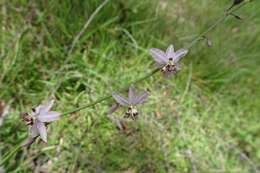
pixel 109 96
pixel 220 20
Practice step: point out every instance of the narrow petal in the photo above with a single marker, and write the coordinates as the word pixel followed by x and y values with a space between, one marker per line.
pixel 42 130
pixel 140 99
pixel 46 107
pixel 179 54
pixel 120 99
pixel 38 109
pixel 168 74
pixel 113 108
pixel 33 131
pixel 118 122
pixel 131 95
pixel 49 117
pixel 170 51
pixel 158 55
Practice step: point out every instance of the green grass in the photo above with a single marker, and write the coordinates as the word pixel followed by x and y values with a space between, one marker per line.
pixel 206 119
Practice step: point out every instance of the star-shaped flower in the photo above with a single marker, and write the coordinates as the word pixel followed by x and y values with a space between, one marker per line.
pixel 38 119
pixel 131 102
pixel 168 61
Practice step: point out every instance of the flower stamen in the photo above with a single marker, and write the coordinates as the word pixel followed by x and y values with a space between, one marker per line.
pixel 28 119
pixel 131 112
pixel 170 67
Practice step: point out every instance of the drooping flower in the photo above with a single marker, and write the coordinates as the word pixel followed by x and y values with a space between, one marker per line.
pixel 119 122
pixel 131 102
pixel 168 61
pixel 38 119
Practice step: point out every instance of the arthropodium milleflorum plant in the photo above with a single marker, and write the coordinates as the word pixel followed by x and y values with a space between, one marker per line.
pixel 168 63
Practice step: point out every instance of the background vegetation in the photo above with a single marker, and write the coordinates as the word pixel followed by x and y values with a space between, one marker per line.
pixel 206 119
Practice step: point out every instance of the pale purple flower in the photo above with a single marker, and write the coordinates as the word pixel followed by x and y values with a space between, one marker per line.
pixel 168 61
pixel 37 120
pixel 131 102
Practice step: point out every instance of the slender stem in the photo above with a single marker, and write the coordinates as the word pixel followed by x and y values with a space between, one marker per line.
pixel 109 95
pixel 195 40
pixel 220 20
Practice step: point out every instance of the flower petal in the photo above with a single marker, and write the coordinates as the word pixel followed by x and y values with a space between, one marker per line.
pixel 120 99
pixel 44 108
pixel 170 51
pixel 37 110
pixel 158 55
pixel 168 74
pixel 120 124
pixel 49 117
pixel 42 130
pixel 33 131
pixel 179 54
pixel 131 95
pixel 141 98
pixel 113 108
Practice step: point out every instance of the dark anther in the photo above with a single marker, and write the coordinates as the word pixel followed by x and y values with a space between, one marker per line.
pixel 131 113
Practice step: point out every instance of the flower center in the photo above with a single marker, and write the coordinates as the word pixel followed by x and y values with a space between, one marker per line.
pixel 131 112
pixel 28 119
pixel 169 67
